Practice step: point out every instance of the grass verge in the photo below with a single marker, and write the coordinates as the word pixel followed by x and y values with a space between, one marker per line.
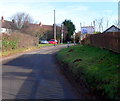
pixel 43 45
pixel 20 50
pixel 99 67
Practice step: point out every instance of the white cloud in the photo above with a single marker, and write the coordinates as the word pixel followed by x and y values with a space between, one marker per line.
pixel 108 11
pixel 77 8
pixel 43 12
pixel 9 9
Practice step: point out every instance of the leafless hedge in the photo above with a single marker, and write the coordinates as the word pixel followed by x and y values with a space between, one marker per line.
pixel 23 40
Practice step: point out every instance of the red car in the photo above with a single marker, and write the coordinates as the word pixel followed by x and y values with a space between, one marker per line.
pixel 52 41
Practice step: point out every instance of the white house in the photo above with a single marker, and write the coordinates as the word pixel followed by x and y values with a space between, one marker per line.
pixel 86 30
pixel 5 26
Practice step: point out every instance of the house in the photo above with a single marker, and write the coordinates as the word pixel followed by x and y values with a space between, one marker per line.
pixel 86 30
pixel 112 29
pixel 8 26
pixel 5 26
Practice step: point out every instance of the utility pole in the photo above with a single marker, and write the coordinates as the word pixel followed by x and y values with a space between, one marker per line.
pixel 0 26
pixel 80 33
pixel 74 37
pixel 54 27
pixel 94 25
pixel 80 25
pixel 91 23
pixel 119 14
pixel 62 34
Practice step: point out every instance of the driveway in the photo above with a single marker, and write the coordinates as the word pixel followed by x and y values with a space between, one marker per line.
pixel 36 75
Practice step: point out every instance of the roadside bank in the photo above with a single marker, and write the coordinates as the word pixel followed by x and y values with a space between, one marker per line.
pixel 22 50
pixel 99 67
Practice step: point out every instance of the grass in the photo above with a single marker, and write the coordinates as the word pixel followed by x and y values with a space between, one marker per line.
pixel 43 45
pixel 100 68
pixel 20 50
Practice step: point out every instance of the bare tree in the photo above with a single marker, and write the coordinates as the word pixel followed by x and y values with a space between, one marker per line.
pixel 21 19
pixel 100 24
pixel 116 23
pixel 107 23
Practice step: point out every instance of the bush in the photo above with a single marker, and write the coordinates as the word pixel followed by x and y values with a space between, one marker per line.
pixel 9 44
pixel 18 40
pixel 97 32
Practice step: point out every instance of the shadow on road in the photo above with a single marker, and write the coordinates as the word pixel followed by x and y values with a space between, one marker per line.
pixel 35 76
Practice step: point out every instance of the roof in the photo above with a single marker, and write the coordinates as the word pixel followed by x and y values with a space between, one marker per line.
pixel 6 24
pixel 44 27
pixel 113 28
pixel 9 25
pixel 48 27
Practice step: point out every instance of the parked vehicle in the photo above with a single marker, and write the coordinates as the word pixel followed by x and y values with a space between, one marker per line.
pixel 52 41
pixel 44 42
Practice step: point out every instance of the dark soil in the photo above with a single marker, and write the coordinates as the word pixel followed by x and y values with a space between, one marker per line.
pixel 71 50
pixel 77 60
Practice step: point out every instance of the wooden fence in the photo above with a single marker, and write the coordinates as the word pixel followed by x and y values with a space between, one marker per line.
pixel 109 40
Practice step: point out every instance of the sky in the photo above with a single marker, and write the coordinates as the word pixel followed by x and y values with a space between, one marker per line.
pixel 78 11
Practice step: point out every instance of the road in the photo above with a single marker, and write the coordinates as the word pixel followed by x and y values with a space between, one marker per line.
pixel 36 75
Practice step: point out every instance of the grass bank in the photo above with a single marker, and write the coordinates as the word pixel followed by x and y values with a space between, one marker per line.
pixel 100 68
pixel 20 50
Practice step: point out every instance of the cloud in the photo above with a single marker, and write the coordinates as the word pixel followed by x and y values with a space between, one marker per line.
pixel 108 11
pixel 40 12
pixel 43 11
pixel 77 8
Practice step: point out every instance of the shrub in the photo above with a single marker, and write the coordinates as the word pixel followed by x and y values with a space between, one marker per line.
pixel 9 44
pixel 18 40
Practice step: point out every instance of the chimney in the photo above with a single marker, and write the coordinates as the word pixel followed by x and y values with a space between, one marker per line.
pixel 40 24
pixel 2 18
pixel 13 20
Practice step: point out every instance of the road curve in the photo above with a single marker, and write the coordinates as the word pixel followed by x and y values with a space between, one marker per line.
pixel 35 75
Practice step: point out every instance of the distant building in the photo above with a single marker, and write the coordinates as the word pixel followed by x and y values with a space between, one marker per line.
pixel 86 30
pixel 5 26
pixel 8 26
pixel 112 29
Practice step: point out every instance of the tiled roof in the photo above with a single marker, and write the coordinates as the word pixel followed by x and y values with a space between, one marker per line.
pixel 7 24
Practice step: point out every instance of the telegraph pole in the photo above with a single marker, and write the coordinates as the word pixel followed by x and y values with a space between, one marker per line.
pixel 119 14
pixel 62 34
pixel 80 33
pixel 0 26
pixel 54 27
pixel 94 25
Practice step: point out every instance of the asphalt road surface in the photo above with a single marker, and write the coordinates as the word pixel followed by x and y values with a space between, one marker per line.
pixel 36 75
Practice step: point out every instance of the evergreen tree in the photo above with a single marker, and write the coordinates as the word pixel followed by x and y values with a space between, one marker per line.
pixel 70 29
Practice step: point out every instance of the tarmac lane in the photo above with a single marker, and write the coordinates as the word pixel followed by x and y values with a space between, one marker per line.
pixel 36 75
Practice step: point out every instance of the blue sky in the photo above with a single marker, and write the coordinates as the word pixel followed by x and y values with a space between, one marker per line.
pixel 84 12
